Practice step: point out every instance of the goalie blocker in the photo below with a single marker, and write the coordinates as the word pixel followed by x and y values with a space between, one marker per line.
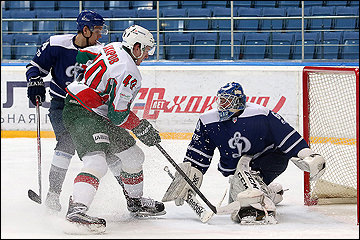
pixel 179 189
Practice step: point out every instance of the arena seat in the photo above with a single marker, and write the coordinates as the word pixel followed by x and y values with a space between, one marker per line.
pixel 22 25
pixel 123 24
pixel 251 24
pixel 191 4
pixel 215 4
pixel 310 52
pixel 119 5
pixel 25 46
pixel 225 51
pixel 173 25
pixel 150 25
pixel 93 5
pixel 259 40
pixel 69 26
pixel 48 26
pixel 317 24
pixel 273 24
pixel 348 51
pixel 289 4
pixel 346 23
pixel 284 45
pixel 169 4
pixel 176 50
pixel 7 42
pixel 222 24
pixel 201 50
pixel 198 24
pixel 246 4
pixel 43 5
pixel 265 4
pixel 295 24
pixel 143 5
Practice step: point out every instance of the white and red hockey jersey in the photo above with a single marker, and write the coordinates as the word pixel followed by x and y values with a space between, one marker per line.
pixel 110 84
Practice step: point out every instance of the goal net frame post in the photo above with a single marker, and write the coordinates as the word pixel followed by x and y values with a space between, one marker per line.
pixel 306 121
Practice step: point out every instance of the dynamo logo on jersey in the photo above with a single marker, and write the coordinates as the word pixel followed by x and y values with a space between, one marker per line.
pixel 239 142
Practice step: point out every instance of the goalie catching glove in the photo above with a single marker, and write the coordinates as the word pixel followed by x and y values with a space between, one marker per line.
pixel 179 188
pixel 146 133
pixel 311 162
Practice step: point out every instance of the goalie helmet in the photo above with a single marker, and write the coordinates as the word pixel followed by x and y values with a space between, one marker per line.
pixel 137 34
pixel 230 99
pixel 91 19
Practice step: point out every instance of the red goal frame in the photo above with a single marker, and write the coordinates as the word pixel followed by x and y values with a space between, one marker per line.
pixel 307 200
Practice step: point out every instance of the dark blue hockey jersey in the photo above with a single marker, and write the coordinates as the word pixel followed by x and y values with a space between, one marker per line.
pixel 56 56
pixel 257 131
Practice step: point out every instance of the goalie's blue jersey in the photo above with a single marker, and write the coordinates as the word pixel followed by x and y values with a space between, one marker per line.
pixel 56 56
pixel 257 131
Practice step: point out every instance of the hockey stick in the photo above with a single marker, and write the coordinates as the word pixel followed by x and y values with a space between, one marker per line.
pixel 230 208
pixel 32 195
pixel 194 204
pixel 187 179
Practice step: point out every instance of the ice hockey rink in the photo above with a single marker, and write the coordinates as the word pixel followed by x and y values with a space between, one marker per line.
pixel 23 218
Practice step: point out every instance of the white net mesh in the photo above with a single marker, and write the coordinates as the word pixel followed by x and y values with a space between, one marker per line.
pixel 332 131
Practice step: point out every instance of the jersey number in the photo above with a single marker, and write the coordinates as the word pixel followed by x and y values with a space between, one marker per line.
pixel 127 82
pixel 100 69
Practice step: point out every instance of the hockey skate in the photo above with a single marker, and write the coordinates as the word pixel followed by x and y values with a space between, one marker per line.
pixel 252 216
pixel 52 201
pixel 144 207
pixel 76 214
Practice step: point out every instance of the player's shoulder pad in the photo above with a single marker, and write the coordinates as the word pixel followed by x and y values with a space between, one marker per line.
pixel 253 109
pixel 64 41
pixel 210 117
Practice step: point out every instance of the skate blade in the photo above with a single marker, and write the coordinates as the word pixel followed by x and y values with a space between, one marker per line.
pixel 250 220
pixel 147 214
pixel 73 228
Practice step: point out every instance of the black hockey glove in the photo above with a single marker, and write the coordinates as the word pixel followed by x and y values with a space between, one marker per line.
pixel 36 87
pixel 146 133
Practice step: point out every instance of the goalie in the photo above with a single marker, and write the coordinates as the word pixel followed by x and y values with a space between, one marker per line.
pixel 255 146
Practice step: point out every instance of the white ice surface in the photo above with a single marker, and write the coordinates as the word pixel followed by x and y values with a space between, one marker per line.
pixel 23 218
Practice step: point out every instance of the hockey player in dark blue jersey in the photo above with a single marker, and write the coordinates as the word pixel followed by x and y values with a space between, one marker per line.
pixel 255 146
pixel 57 56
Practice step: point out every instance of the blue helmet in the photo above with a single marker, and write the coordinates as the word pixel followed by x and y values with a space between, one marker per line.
pixel 230 99
pixel 91 19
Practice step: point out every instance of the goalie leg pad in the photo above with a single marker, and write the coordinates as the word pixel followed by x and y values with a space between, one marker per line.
pixel 179 188
pixel 245 189
pixel 242 180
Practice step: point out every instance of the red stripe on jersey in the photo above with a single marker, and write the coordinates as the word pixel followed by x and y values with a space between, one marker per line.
pixel 133 181
pixel 87 51
pixel 131 122
pixel 87 178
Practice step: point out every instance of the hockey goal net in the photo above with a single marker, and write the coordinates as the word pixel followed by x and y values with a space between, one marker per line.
pixel 331 128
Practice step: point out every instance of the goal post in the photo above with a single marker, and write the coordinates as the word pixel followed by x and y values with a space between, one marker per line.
pixel 331 128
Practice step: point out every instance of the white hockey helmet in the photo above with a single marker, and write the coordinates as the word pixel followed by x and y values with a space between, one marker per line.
pixel 137 34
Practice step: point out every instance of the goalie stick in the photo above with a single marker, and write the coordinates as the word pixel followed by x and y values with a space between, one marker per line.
pixel 31 194
pixel 234 206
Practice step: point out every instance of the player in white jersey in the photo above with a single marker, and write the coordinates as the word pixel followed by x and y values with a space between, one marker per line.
pixel 98 116
pixel 255 146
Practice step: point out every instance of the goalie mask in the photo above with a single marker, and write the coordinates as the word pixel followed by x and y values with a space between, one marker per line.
pixel 137 34
pixel 230 99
